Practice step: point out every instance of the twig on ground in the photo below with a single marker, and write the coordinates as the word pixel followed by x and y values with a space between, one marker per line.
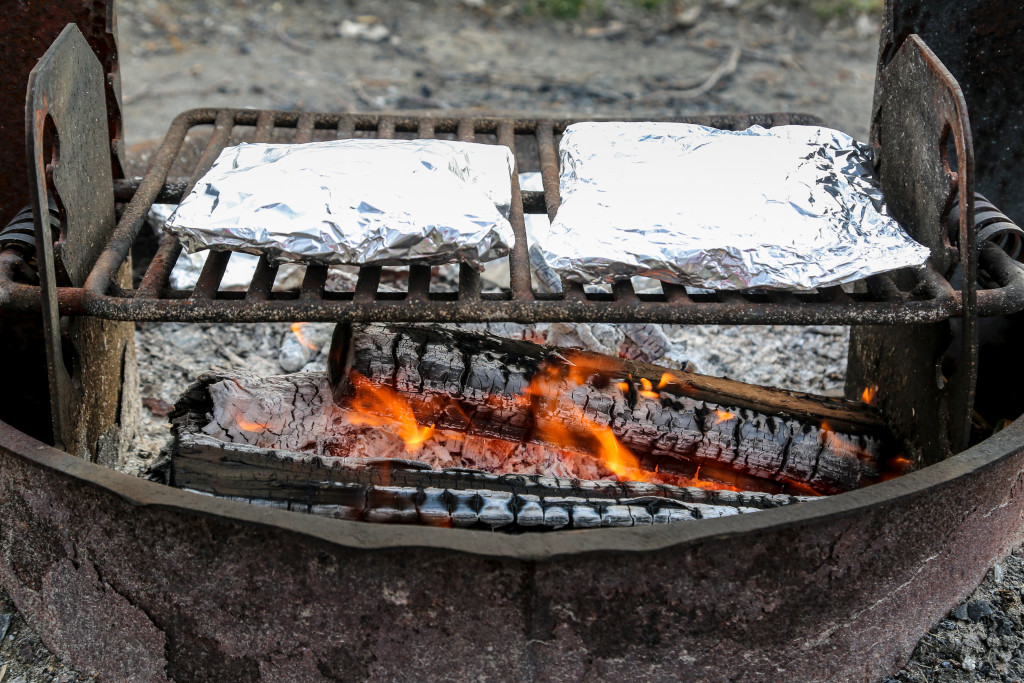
pixel 281 34
pixel 724 69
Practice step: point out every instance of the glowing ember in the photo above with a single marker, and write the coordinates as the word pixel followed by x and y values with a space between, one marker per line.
pixel 723 415
pixel 250 426
pixel 697 482
pixel 585 434
pixel 648 389
pixel 380 406
pixel 297 331
pixel 869 394
pixel 556 421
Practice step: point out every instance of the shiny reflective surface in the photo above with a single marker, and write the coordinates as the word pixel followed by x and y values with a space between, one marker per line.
pixel 791 207
pixel 356 202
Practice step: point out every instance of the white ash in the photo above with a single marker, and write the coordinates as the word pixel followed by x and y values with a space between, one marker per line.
pixel 172 355
pixel 296 413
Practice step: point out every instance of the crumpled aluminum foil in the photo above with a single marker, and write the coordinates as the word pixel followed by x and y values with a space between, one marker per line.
pixel 238 274
pixel 355 202
pixel 792 207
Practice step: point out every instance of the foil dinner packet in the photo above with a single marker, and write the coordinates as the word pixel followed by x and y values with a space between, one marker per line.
pixel 791 207
pixel 354 202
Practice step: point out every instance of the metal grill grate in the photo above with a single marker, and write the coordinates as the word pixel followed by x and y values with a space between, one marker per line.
pixel 923 294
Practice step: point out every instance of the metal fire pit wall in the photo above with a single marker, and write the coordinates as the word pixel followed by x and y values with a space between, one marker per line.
pixel 838 589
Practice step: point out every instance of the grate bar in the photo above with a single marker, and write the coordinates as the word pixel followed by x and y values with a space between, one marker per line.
pixel 419 283
pixel 932 298
pixel 545 133
pixel 469 276
pixel 676 294
pixel 156 276
pixel 304 127
pixel 211 275
pixel 883 288
pixel 266 271
pixel 623 291
pixel 313 283
pixel 262 280
pixel 519 258
pixel 366 284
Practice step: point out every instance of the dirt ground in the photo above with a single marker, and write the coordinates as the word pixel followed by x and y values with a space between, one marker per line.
pixel 684 57
pixel 490 55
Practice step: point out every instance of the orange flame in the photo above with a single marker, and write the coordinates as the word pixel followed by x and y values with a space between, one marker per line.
pixel 723 415
pixel 297 331
pixel 648 389
pixel 666 378
pixel 699 483
pixel 869 394
pixel 248 426
pixel 381 406
pixel 585 434
pixel 556 420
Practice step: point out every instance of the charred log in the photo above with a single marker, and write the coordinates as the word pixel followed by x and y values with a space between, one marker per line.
pixel 405 491
pixel 515 390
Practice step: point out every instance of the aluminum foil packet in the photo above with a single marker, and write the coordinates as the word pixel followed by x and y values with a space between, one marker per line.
pixel 354 202
pixel 238 274
pixel 791 207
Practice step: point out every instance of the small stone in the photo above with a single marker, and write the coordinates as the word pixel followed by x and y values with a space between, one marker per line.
pixel 293 355
pixel 960 612
pixel 997 574
pixel 368 31
pixel 318 365
pixel 969 664
pixel 979 609
pixel 5 623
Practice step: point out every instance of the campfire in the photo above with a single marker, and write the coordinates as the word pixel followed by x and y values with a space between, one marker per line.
pixel 417 423
pixel 442 411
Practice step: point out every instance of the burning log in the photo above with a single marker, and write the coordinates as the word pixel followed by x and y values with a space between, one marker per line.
pixel 218 451
pixel 515 390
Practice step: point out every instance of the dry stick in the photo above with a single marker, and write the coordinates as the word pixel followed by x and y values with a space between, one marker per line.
pixel 515 390
pixel 281 34
pixel 726 68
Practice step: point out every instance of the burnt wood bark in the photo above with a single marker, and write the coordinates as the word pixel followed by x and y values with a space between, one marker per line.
pixel 406 491
pixel 510 389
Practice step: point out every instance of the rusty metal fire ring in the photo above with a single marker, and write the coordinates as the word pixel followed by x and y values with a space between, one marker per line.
pixel 839 566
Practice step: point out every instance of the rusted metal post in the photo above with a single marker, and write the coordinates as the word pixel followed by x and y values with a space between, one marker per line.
pixel 25 34
pixel 27 31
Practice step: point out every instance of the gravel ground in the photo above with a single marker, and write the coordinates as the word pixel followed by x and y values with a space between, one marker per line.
pixel 490 55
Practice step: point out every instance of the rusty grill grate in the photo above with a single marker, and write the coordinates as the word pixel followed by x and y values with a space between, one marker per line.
pixel 922 294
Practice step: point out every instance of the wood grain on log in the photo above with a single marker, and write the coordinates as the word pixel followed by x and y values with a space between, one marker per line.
pixel 486 385
pixel 404 491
